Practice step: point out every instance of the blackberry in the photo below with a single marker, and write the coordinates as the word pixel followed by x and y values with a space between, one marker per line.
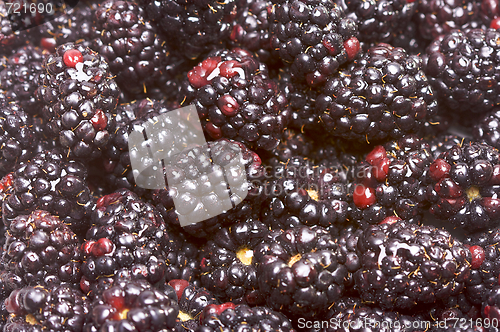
pixel 42 250
pixel 382 95
pixel 228 268
pixel 195 28
pixel 126 234
pixel 51 182
pixel 464 186
pixel 232 318
pixel 192 301
pixel 298 271
pixel 35 308
pixel 74 26
pixel 489 13
pixel 193 165
pixel 182 258
pixel 313 37
pixel 134 306
pixel 462 69
pixel 379 21
pixel 293 144
pixel 437 17
pixel 134 48
pixel 20 75
pixel 12 38
pixel 79 99
pixel 403 265
pixel 304 193
pixel 8 282
pixel 485 267
pixel 392 182
pixel 445 142
pixel 251 29
pixel 491 307
pixel 17 136
pixel 487 129
pixel 235 99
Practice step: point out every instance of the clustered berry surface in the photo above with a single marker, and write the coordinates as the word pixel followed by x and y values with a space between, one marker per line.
pixel 250 165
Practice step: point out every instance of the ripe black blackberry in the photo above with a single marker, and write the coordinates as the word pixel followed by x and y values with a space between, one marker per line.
pixel 404 265
pixel 293 144
pixel 251 29
pixel 410 39
pixel 298 271
pixel 74 26
pixel 192 301
pixel 382 95
pixel 134 306
pixel 182 258
pixel 438 17
pixel 79 99
pixel 304 193
pixel 464 187
pixel 392 181
pixel 491 307
pixel 232 318
pixel 228 268
pixel 462 67
pixel 245 191
pixel 135 50
pixel 8 282
pixel 487 129
pixel 235 99
pixel 485 264
pixel 313 37
pixel 195 28
pixel 126 234
pixel 51 182
pixel 379 21
pixel 42 250
pixel 17 136
pixel 35 308
pixel 11 38
pixel 135 116
pixel 445 142
pixel 489 13
pixel 20 75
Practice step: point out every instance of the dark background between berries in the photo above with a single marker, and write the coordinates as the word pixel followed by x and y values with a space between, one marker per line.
pixel 370 131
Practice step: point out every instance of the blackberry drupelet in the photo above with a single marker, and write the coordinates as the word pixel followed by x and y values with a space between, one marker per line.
pixel 463 69
pixel 134 306
pixel 392 182
pixel 17 136
pixel 382 95
pixel 191 168
pixel 251 29
pixel 232 318
pixel 403 265
pixel 51 182
pixel 379 21
pixel 228 268
pixel 487 129
pixel 35 308
pixel 126 234
pixel 74 26
pixel 20 75
pixel 195 28
pixel 235 99
pixel 485 264
pixel 304 193
pixel 438 17
pixel 464 187
pixel 313 37
pixel 192 301
pixel 42 250
pixel 79 99
pixel 298 271
pixel 135 50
